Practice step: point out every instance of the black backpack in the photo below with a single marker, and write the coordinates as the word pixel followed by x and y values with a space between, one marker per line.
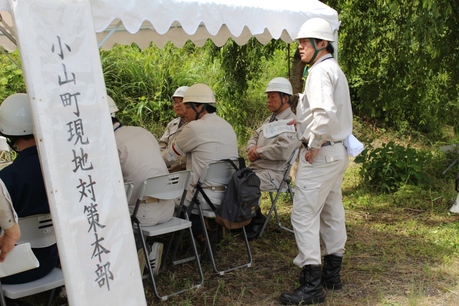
pixel 241 199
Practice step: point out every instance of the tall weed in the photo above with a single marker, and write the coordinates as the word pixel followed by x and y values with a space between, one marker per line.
pixel 11 77
pixel 142 81
pixel 391 166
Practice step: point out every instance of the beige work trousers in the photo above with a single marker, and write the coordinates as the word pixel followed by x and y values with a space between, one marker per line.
pixel 318 212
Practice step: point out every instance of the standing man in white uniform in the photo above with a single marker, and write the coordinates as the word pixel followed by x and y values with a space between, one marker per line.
pixel 172 130
pixel 324 120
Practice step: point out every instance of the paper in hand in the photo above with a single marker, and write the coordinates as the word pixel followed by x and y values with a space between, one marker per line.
pixel 19 259
pixel 353 145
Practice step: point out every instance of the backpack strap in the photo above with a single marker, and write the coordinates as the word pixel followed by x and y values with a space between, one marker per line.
pixel 241 162
pixel 201 190
pixel 196 201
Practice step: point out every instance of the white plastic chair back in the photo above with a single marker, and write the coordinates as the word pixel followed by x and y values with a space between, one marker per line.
pixel 128 188
pixel 166 187
pixel 218 173
pixel 38 230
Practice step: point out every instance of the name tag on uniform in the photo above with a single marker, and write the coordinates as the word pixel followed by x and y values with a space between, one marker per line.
pixel 276 128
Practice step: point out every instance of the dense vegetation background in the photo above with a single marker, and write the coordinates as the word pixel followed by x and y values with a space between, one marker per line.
pixel 401 59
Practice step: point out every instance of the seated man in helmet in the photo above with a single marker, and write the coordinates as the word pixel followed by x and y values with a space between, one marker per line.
pixel 269 157
pixel 205 139
pixel 172 130
pixel 140 158
pixel 22 182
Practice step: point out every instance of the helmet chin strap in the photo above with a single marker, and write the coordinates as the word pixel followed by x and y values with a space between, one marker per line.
pixel 316 51
pixel 11 140
pixel 193 107
pixel 282 95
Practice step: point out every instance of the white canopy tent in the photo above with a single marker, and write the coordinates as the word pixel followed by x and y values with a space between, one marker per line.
pixel 161 21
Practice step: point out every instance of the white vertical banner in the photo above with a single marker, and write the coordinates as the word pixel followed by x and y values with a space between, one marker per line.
pixel 77 149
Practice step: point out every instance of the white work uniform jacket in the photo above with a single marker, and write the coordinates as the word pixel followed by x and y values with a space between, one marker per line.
pixel 274 153
pixel 140 158
pixel 172 130
pixel 325 112
pixel 206 140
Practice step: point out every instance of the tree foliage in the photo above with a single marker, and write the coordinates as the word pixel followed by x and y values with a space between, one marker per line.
pixel 402 61
pixel 243 69
pixel 142 81
pixel 11 78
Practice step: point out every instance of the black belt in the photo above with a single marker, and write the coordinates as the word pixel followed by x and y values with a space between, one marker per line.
pixel 327 143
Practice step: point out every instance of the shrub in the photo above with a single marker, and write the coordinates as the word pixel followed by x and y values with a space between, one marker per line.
pixel 392 166
pixel 11 77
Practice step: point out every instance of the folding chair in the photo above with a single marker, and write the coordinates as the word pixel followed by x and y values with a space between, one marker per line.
pixel 215 176
pixel 166 187
pixel 284 186
pixel 38 230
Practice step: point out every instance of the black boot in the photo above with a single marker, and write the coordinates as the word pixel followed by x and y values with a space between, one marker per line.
pixel 310 290
pixel 256 225
pixel 330 272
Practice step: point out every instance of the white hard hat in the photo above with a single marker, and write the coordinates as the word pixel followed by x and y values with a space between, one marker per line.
pixel 180 92
pixel 316 28
pixel 280 85
pixel 112 106
pixel 16 116
pixel 199 93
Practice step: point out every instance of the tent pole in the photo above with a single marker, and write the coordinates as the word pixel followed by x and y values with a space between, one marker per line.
pixel 110 34
pixel 288 61
pixel 4 27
